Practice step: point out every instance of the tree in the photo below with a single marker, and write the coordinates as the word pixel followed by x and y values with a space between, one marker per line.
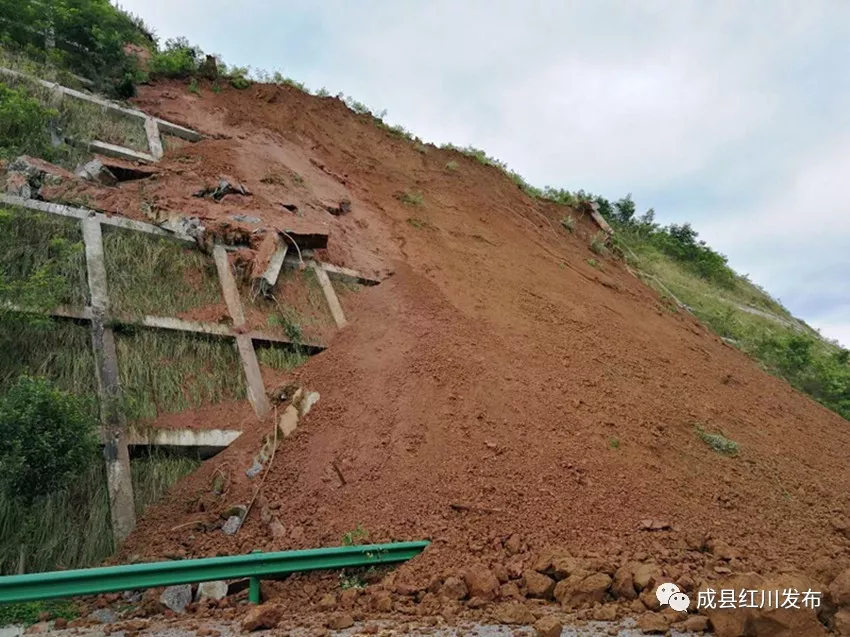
pixel 47 439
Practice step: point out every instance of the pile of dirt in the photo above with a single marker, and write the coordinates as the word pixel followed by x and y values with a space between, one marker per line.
pixel 506 381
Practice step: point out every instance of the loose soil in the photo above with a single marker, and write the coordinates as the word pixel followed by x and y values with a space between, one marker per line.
pixel 496 383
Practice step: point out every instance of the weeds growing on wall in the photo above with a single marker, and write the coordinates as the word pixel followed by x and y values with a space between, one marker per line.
pixel 167 372
pixel 156 276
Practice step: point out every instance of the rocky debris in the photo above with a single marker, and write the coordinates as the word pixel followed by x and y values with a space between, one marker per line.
pixel 538 585
pixel 382 603
pixel 653 623
pixel 548 627
pixel 104 616
pixel 654 525
pixel 841 623
pixel 767 621
pixel 646 575
pixel 513 544
pixel 246 219
pixel 262 617
pixel 235 516
pixel 26 175
pixel 340 621
pixel 190 226
pixel 177 598
pixel 839 589
pixel 481 582
pixel 623 586
pixel 95 171
pixel 342 208
pixel 514 613
pixel 288 422
pixel 694 624
pixel 579 590
pixel 212 590
pixel 222 189
pixel 327 602
pixel 454 588
pixel 254 469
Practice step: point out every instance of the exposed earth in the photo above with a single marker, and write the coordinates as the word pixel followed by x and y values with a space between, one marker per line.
pixel 529 406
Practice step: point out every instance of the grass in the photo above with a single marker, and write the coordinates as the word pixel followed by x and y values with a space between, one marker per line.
pixel 57 349
pixel 28 613
pixel 281 358
pixel 411 198
pixel 355 536
pixel 168 372
pixel 568 223
pixel 193 86
pixel 452 166
pixel 153 275
pixel 72 528
pixel 718 442
pixel 30 240
pixel 593 263
pixel 597 244
pixel 614 443
pixel 419 224
pixel 85 121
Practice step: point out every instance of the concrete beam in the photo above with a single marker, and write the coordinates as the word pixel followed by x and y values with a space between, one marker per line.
pixel 80 213
pixel 269 278
pixel 250 365
pixel 115 450
pixel 346 274
pixel 206 442
pixel 154 139
pixel 120 152
pixel 165 127
pixel 330 294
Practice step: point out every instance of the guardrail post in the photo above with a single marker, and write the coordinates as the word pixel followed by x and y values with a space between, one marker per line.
pixel 254 590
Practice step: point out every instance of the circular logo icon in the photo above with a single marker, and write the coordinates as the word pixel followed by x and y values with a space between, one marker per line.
pixel 679 602
pixel 664 592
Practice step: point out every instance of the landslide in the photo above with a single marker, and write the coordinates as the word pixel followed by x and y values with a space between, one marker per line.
pixel 505 379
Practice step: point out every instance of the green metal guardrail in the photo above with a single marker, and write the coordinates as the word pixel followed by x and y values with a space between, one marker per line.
pixel 93 581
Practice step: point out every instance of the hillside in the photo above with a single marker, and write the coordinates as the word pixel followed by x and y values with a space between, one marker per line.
pixel 512 385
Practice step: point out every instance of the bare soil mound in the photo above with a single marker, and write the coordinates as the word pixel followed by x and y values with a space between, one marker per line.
pixel 498 384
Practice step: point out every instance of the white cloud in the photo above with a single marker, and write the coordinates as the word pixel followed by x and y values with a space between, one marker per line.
pixel 692 103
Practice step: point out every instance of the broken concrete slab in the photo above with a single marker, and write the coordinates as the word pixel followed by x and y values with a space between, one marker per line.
pixel 26 175
pixel 95 171
pixel 223 188
pixel 236 514
pixel 120 152
pixel 307 402
pixel 154 139
pixel 288 421
pixel 211 590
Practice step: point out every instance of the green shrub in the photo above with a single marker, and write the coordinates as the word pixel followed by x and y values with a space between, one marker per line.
pixel 24 124
pixel 411 198
pixel 47 439
pixel 720 443
pixel 597 243
pixel 451 166
pixel 569 224
pixel 178 59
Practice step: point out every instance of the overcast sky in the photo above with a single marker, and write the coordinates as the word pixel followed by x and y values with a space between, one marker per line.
pixel 734 115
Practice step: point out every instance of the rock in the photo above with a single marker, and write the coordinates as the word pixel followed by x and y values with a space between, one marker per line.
pixel 177 598
pixel 454 588
pixel 60 624
pixel 839 590
pixel 695 624
pixel 383 603
pixel 841 622
pixel 481 582
pixel 104 616
pixel 646 575
pixel 722 551
pixel 327 602
pixel 654 525
pixel 306 404
pixel 343 208
pixel 653 623
pixel 18 185
pixel 548 627
pixel 764 622
pixel 95 171
pixel 577 590
pixel 262 617
pixel 348 597
pixel 513 544
pixel 276 529
pixel 211 590
pixel 514 613
pixel 288 421
pixel 538 585
pixel 510 591
pixel 234 520
pixel 605 613
pixel 224 187
pixel 255 469
pixel 650 599
pixel 340 621
pixel 623 586
pixel 565 565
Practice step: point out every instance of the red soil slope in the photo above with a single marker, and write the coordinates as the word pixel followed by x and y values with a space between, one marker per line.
pixel 495 369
